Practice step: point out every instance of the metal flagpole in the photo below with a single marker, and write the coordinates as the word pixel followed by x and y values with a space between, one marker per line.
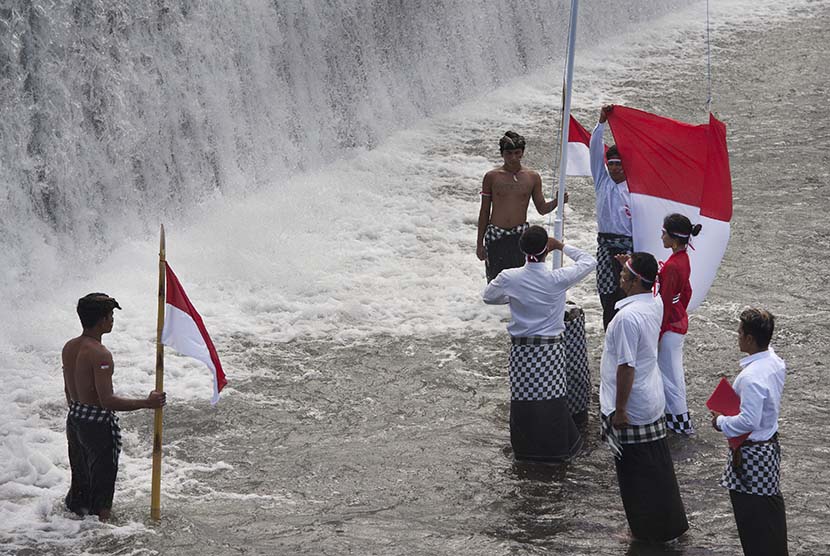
pixel 559 221
pixel 155 496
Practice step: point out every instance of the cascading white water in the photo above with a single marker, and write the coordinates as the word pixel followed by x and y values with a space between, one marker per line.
pixel 116 115
pixel 308 191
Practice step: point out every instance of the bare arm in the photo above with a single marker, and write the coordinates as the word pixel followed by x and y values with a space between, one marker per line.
pixel 484 214
pixel 542 207
pixel 625 381
pixel 103 368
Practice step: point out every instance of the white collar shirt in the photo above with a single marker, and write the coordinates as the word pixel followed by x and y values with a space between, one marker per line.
pixel 760 385
pixel 536 294
pixel 613 199
pixel 631 339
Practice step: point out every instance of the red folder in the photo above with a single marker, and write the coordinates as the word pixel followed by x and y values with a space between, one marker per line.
pixel 726 401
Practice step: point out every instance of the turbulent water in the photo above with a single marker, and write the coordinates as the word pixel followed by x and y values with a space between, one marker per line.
pixel 317 170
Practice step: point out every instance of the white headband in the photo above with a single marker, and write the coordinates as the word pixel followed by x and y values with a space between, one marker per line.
pixel 542 252
pixel 635 273
pixel 676 234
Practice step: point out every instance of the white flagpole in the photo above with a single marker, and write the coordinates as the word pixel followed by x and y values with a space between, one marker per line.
pixel 559 221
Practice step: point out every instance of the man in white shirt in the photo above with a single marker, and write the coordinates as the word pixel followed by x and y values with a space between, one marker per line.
pixel 541 426
pixel 753 471
pixel 613 216
pixel 632 405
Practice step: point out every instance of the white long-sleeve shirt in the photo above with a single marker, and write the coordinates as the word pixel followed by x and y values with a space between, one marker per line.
pixel 759 385
pixel 536 293
pixel 632 339
pixel 613 199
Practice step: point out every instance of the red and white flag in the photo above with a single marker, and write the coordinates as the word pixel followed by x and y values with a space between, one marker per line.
pixel 579 160
pixel 672 166
pixel 185 332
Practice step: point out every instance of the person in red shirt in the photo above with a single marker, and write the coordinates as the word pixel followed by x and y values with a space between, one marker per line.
pixel 675 291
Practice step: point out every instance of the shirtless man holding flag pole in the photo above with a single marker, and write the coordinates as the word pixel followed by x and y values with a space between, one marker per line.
pixel 505 195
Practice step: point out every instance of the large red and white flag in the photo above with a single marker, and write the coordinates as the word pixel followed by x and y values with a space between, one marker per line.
pixel 579 160
pixel 185 332
pixel 672 166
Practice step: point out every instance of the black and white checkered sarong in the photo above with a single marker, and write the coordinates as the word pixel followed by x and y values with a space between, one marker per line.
pixel 537 368
pixel 680 423
pixel 94 414
pixel 632 434
pixel 493 233
pixel 759 471
pixel 576 355
pixel 608 279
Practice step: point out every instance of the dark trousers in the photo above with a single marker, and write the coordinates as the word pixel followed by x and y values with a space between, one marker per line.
pixel 543 431
pixel 649 492
pixel 503 253
pixel 762 523
pixel 93 467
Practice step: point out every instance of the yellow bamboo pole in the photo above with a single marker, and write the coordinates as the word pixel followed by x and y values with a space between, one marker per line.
pixel 155 496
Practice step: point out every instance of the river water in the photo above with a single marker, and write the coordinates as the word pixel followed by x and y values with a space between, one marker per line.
pixel 367 411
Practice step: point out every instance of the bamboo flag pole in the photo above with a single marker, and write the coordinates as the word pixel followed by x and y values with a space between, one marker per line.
pixel 155 496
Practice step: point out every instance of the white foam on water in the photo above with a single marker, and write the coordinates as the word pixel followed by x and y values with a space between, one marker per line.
pixel 380 243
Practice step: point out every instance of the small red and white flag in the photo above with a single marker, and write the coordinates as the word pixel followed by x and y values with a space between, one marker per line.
pixel 185 332
pixel 579 159
pixel 673 166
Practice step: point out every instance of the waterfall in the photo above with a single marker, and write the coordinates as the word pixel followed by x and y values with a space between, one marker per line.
pixel 115 115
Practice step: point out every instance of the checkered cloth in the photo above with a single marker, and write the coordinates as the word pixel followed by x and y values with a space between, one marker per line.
pixel 680 423
pixel 576 355
pixel 632 434
pixel 493 233
pixel 93 414
pixel 537 368
pixel 608 279
pixel 759 470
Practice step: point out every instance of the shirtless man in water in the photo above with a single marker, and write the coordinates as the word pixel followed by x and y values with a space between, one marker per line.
pixel 505 196
pixel 92 430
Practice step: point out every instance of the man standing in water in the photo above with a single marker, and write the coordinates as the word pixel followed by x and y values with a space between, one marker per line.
pixel 613 217
pixel 505 195
pixel 541 426
pixel 92 430
pixel 632 406
pixel 753 470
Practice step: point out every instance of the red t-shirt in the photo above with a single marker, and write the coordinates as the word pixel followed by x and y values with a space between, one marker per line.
pixel 675 291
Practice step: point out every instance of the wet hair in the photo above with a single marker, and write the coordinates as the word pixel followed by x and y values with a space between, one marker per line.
pixel 533 241
pixel 680 227
pixel 612 152
pixel 95 306
pixel 511 140
pixel 759 324
pixel 645 265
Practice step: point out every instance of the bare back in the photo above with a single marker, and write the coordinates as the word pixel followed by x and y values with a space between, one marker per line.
pixel 510 197
pixel 82 358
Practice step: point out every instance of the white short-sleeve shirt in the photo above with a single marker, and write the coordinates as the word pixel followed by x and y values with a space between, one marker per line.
pixel 632 339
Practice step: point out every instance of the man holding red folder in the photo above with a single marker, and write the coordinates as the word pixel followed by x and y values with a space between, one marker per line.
pixel 752 473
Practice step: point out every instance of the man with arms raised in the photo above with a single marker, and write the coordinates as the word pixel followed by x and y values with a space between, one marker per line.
pixel 92 430
pixel 541 426
pixel 505 195
pixel 613 216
